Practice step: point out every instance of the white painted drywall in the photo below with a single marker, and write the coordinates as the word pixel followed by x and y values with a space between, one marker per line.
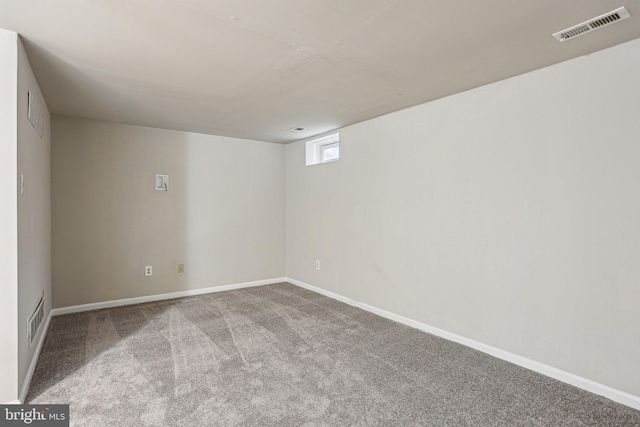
pixel 223 216
pixel 8 218
pixel 508 214
pixel 34 212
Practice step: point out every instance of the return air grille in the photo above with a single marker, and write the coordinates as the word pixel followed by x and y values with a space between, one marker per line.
pixel 35 320
pixel 593 24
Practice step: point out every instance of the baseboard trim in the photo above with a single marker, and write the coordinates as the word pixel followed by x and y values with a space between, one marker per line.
pixel 13 402
pixel 34 361
pixel 160 297
pixel 555 373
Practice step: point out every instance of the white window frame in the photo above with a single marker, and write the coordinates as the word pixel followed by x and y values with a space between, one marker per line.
pixel 315 149
pixel 325 147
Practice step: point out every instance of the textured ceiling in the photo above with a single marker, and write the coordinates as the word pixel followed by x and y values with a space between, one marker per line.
pixel 254 68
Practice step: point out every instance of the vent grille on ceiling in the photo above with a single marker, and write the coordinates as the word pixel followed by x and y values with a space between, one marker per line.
pixel 593 24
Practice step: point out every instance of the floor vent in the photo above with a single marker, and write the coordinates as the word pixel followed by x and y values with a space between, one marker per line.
pixel 35 320
pixel 593 24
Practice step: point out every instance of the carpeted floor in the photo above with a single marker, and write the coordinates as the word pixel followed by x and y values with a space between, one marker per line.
pixel 280 355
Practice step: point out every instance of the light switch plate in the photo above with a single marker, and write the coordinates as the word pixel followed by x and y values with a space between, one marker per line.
pixel 162 182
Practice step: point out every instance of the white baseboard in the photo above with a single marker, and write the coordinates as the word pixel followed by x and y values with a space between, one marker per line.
pixel 34 361
pixel 13 402
pixel 555 373
pixel 160 297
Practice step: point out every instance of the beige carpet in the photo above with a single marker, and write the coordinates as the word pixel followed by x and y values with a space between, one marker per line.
pixel 280 355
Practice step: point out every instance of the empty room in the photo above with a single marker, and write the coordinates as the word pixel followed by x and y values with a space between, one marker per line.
pixel 320 213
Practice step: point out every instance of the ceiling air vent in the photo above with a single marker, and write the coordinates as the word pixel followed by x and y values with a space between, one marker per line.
pixel 293 130
pixel 592 24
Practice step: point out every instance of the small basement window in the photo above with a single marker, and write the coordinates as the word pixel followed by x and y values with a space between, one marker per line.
pixel 323 150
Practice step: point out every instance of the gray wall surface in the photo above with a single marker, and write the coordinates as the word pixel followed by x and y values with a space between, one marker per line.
pixel 34 212
pixel 223 216
pixel 25 217
pixel 8 217
pixel 507 214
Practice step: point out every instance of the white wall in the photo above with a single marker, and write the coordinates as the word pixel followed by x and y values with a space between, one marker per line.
pixel 223 216
pixel 508 214
pixel 34 212
pixel 8 218
pixel 25 247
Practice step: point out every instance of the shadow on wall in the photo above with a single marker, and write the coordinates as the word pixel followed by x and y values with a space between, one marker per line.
pixel 109 220
pixel 222 215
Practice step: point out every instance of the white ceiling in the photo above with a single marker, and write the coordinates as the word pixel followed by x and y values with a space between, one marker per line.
pixel 255 68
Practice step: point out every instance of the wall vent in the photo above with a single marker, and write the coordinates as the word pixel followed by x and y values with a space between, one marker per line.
pixel 593 24
pixel 35 321
pixel 34 114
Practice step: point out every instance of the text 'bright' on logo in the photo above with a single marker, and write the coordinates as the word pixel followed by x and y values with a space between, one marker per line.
pixel 36 415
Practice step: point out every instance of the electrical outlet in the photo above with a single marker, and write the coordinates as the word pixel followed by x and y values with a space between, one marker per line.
pixel 180 268
pixel 148 270
pixel 317 265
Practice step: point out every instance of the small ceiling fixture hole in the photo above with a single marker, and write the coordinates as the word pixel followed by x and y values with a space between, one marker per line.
pixel 296 129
